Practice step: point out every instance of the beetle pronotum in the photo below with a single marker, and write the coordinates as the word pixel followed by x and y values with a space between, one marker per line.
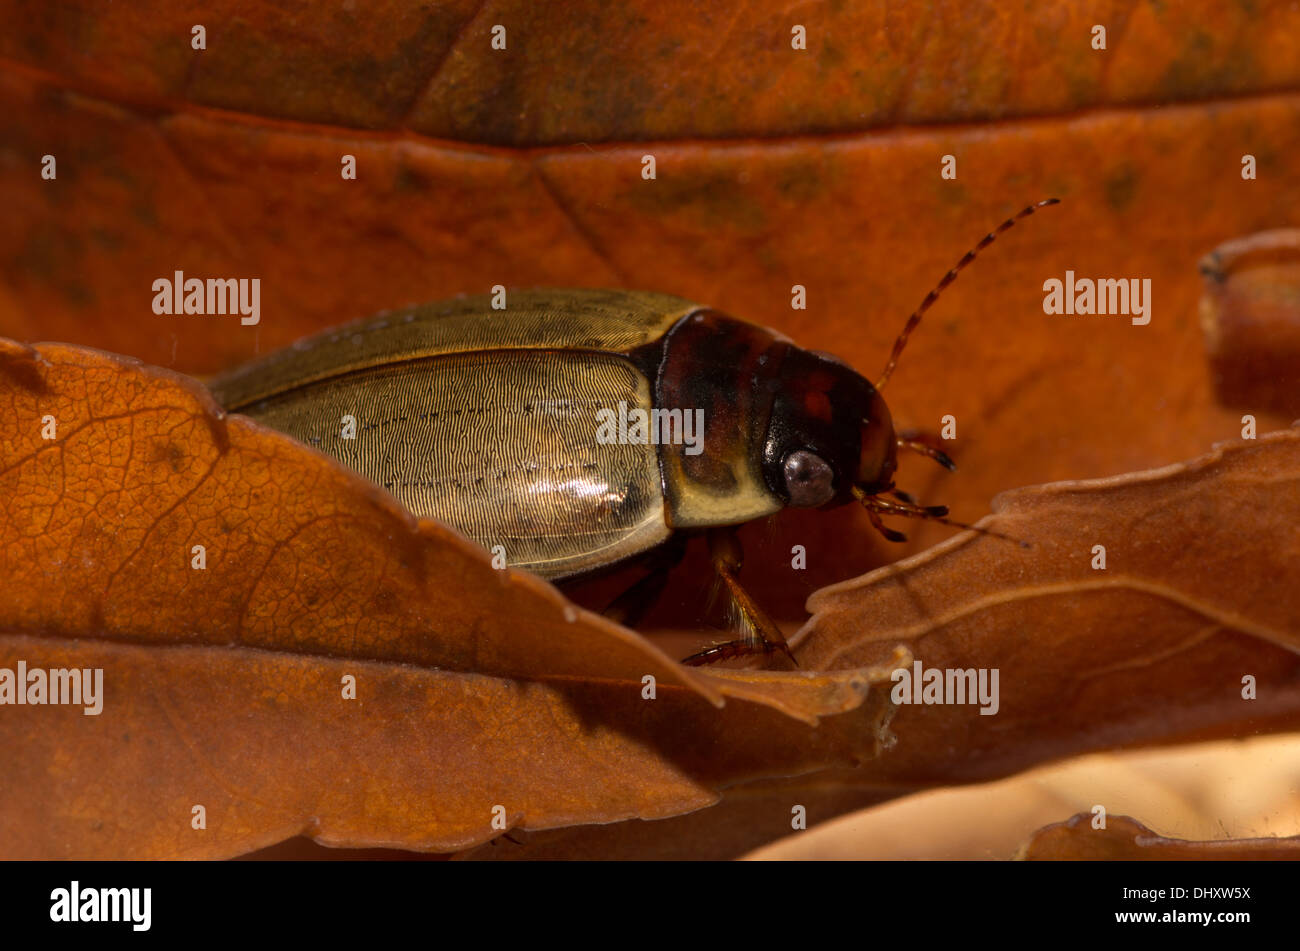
pixel 487 420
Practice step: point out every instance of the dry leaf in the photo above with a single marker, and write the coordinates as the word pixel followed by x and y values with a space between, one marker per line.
pixel 1201 588
pixel 1128 840
pixel 641 70
pixel 1238 788
pixel 1251 316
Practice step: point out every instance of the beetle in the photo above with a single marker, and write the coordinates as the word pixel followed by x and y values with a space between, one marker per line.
pixel 488 420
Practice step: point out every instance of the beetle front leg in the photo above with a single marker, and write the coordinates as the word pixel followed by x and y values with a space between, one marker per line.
pixel 760 635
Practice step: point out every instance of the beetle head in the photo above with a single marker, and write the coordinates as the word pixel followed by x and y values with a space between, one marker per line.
pixel 830 437
pixel 829 434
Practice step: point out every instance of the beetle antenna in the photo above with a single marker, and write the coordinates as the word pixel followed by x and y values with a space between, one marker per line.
pixel 877 506
pixel 948 278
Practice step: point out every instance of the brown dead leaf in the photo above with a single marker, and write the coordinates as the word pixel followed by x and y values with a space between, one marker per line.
pixel 224 685
pixel 1201 588
pixel 1251 316
pixel 263 741
pixel 745 817
pixel 1221 789
pixel 588 71
pixel 1128 840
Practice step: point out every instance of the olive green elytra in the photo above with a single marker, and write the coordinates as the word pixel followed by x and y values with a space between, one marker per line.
pixel 484 419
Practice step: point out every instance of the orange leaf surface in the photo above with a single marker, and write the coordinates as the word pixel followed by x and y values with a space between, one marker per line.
pixel 1251 316
pixel 588 71
pixel 1200 589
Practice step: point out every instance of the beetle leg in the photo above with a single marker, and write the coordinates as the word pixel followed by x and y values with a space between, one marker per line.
pixel 760 634
pixel 878 525
pixel 909 440
pixel 631 606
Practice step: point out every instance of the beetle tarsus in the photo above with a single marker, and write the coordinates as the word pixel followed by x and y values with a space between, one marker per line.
pixel 878 525
pixel 730 650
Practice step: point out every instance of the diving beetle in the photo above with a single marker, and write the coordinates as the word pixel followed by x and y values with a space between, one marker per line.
pixel 487 420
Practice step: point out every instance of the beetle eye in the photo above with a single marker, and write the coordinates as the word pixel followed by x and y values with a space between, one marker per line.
pixel 809 481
